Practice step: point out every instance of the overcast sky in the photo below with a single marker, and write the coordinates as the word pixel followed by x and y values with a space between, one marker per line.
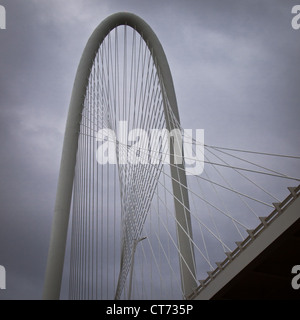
pixel 236 70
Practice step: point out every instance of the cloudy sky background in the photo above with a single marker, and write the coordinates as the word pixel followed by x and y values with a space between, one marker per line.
pixel 235 66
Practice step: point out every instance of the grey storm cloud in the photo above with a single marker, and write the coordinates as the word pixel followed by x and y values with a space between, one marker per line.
pixel 235 66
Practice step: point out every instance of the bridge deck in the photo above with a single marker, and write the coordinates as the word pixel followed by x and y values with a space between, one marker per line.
pixel 260 266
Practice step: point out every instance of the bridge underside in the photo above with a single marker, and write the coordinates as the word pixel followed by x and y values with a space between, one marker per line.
pixel 260 267
pixel 269 275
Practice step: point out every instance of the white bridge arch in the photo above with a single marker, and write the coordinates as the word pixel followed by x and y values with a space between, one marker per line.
pixel 65 184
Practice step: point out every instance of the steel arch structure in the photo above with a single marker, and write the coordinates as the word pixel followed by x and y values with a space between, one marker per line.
pixel 58 239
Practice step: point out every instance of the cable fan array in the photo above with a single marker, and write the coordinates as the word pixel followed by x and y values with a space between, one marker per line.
pixel 123 235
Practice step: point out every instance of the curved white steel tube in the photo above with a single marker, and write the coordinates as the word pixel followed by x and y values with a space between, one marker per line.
pixel 65 183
